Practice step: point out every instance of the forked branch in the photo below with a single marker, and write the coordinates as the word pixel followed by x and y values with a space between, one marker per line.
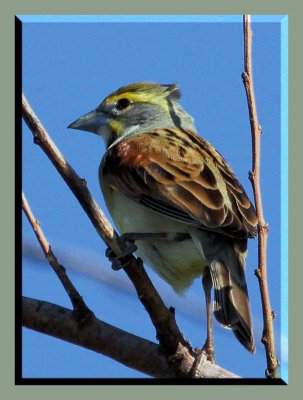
pixel 77 301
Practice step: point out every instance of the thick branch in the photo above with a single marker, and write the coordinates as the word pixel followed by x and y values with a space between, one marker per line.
pixel 96 335
pixel 261 272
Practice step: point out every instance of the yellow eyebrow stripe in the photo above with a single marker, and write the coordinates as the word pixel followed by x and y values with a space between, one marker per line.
pixel 139 98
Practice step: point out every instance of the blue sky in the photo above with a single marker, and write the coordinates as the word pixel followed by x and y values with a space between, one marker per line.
pixel 68 68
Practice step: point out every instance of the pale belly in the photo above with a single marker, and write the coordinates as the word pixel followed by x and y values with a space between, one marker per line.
pixel 178 262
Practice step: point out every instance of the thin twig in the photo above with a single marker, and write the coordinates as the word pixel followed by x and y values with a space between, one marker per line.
pixel 96 335
pixel 254 176
pixel 77 301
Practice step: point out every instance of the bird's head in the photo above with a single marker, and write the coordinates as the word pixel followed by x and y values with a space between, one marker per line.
pixel 134 109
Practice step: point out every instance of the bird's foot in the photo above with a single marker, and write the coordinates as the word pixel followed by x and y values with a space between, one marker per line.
pixel 127 241
pixel 209 351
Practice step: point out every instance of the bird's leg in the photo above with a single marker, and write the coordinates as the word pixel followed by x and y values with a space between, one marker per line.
pixel 207 351
pixel 128 240
pixel 208 347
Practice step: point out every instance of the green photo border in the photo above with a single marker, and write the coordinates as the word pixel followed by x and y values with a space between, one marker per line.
pixel 7 386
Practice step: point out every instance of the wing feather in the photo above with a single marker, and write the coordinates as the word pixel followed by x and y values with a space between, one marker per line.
pixel 186 179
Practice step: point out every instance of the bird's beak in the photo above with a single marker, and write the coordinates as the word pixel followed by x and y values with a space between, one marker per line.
pixel 94 121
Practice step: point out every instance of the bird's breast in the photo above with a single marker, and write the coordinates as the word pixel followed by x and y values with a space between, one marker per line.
pixel 177 261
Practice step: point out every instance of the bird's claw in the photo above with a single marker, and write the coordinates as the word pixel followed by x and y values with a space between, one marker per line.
pixel 199 361
pixel 119 262
pixel 202 356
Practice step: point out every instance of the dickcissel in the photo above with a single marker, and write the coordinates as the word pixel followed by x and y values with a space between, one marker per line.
pixel 171 191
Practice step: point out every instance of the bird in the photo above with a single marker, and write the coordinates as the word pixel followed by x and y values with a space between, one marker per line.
pixel 175 197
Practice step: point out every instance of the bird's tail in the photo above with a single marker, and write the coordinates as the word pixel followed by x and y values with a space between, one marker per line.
pixel 231 303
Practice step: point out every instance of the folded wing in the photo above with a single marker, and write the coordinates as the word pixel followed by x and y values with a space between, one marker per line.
pixel 180 175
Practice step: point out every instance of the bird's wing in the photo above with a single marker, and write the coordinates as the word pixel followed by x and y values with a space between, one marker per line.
pixel 177 173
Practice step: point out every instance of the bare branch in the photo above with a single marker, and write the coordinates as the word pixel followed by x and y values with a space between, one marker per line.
pixel 77 301
pixel 261 271
pixel 162 318
pixel 96 335
pixel 178 351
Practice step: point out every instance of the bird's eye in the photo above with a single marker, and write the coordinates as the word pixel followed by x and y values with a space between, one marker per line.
pixel 123 103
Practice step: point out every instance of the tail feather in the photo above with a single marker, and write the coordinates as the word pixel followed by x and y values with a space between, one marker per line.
pixel 231 305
